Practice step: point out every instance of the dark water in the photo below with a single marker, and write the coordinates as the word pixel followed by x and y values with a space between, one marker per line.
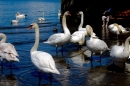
pixel 73 65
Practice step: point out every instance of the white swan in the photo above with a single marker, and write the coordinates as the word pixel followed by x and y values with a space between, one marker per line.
pixel 43 61
pixel 121 53
pixel 41 18
pixel 7 51
pixel 59 13
pixel 15 21
pixel 80 28
pixel 59 39
pixel 18 15
pixel 117 29
pixel 78 37
pixel 94 44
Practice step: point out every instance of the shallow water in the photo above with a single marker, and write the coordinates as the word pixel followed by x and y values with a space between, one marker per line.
pixel 73 65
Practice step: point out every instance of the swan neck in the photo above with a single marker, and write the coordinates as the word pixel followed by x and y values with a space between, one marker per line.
pixel 83 39
pixel 81 23
pixel 34 48
pixel 119 29
pixel 3 36
pixel 65 28
pixel 126 49
pixel 90 31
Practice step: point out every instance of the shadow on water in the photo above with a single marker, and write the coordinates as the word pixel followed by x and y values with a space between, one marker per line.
pixel 7 77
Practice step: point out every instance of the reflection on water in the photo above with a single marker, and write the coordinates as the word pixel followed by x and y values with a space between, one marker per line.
pixel 8 80
pixel 74 65
pixel 105 33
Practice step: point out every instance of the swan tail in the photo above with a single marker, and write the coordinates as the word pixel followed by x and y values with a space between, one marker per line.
pixel 56 72
pixel 46 42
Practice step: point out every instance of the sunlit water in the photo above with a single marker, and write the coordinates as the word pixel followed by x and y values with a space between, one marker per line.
pixel 74 63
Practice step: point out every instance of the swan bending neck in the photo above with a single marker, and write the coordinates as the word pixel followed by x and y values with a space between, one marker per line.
pixel 119 29
pixel 3 36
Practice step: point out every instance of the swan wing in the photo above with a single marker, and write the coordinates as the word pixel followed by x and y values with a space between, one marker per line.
pixel 9 51
pixel 57 39
pixel 96 45
pixel 123 29
pixel 101 45
pixel 43 61
pixel 76 38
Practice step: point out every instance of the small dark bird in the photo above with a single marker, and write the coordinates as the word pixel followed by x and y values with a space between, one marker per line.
pixel 55 30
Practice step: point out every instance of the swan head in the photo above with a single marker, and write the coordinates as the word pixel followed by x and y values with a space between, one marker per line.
pixel 33 25
pixel 18 13
pixel 67 13
pixel 80 12
pixel 89 30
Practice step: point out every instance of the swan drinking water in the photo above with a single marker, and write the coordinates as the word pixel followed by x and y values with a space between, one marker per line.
pixel 94 44
pixel 59 39
pixel 43 61
pixel 7 51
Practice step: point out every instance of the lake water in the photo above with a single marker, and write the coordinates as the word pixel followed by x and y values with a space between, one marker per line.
pixel 24 72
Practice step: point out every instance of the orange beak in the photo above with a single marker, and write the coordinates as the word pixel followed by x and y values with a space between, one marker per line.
pixel 69 14
pixel 30 27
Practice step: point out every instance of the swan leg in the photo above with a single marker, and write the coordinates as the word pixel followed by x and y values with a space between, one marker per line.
pixel 50 79
pixel 117 36
pixel 113 67
pixel 79 47
pixel 91 59
pixel 39 74
pixel 11 67
pixel 62 50
pixel 101 53
pixel 2 67
pixel 100 60
pixel 56 51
